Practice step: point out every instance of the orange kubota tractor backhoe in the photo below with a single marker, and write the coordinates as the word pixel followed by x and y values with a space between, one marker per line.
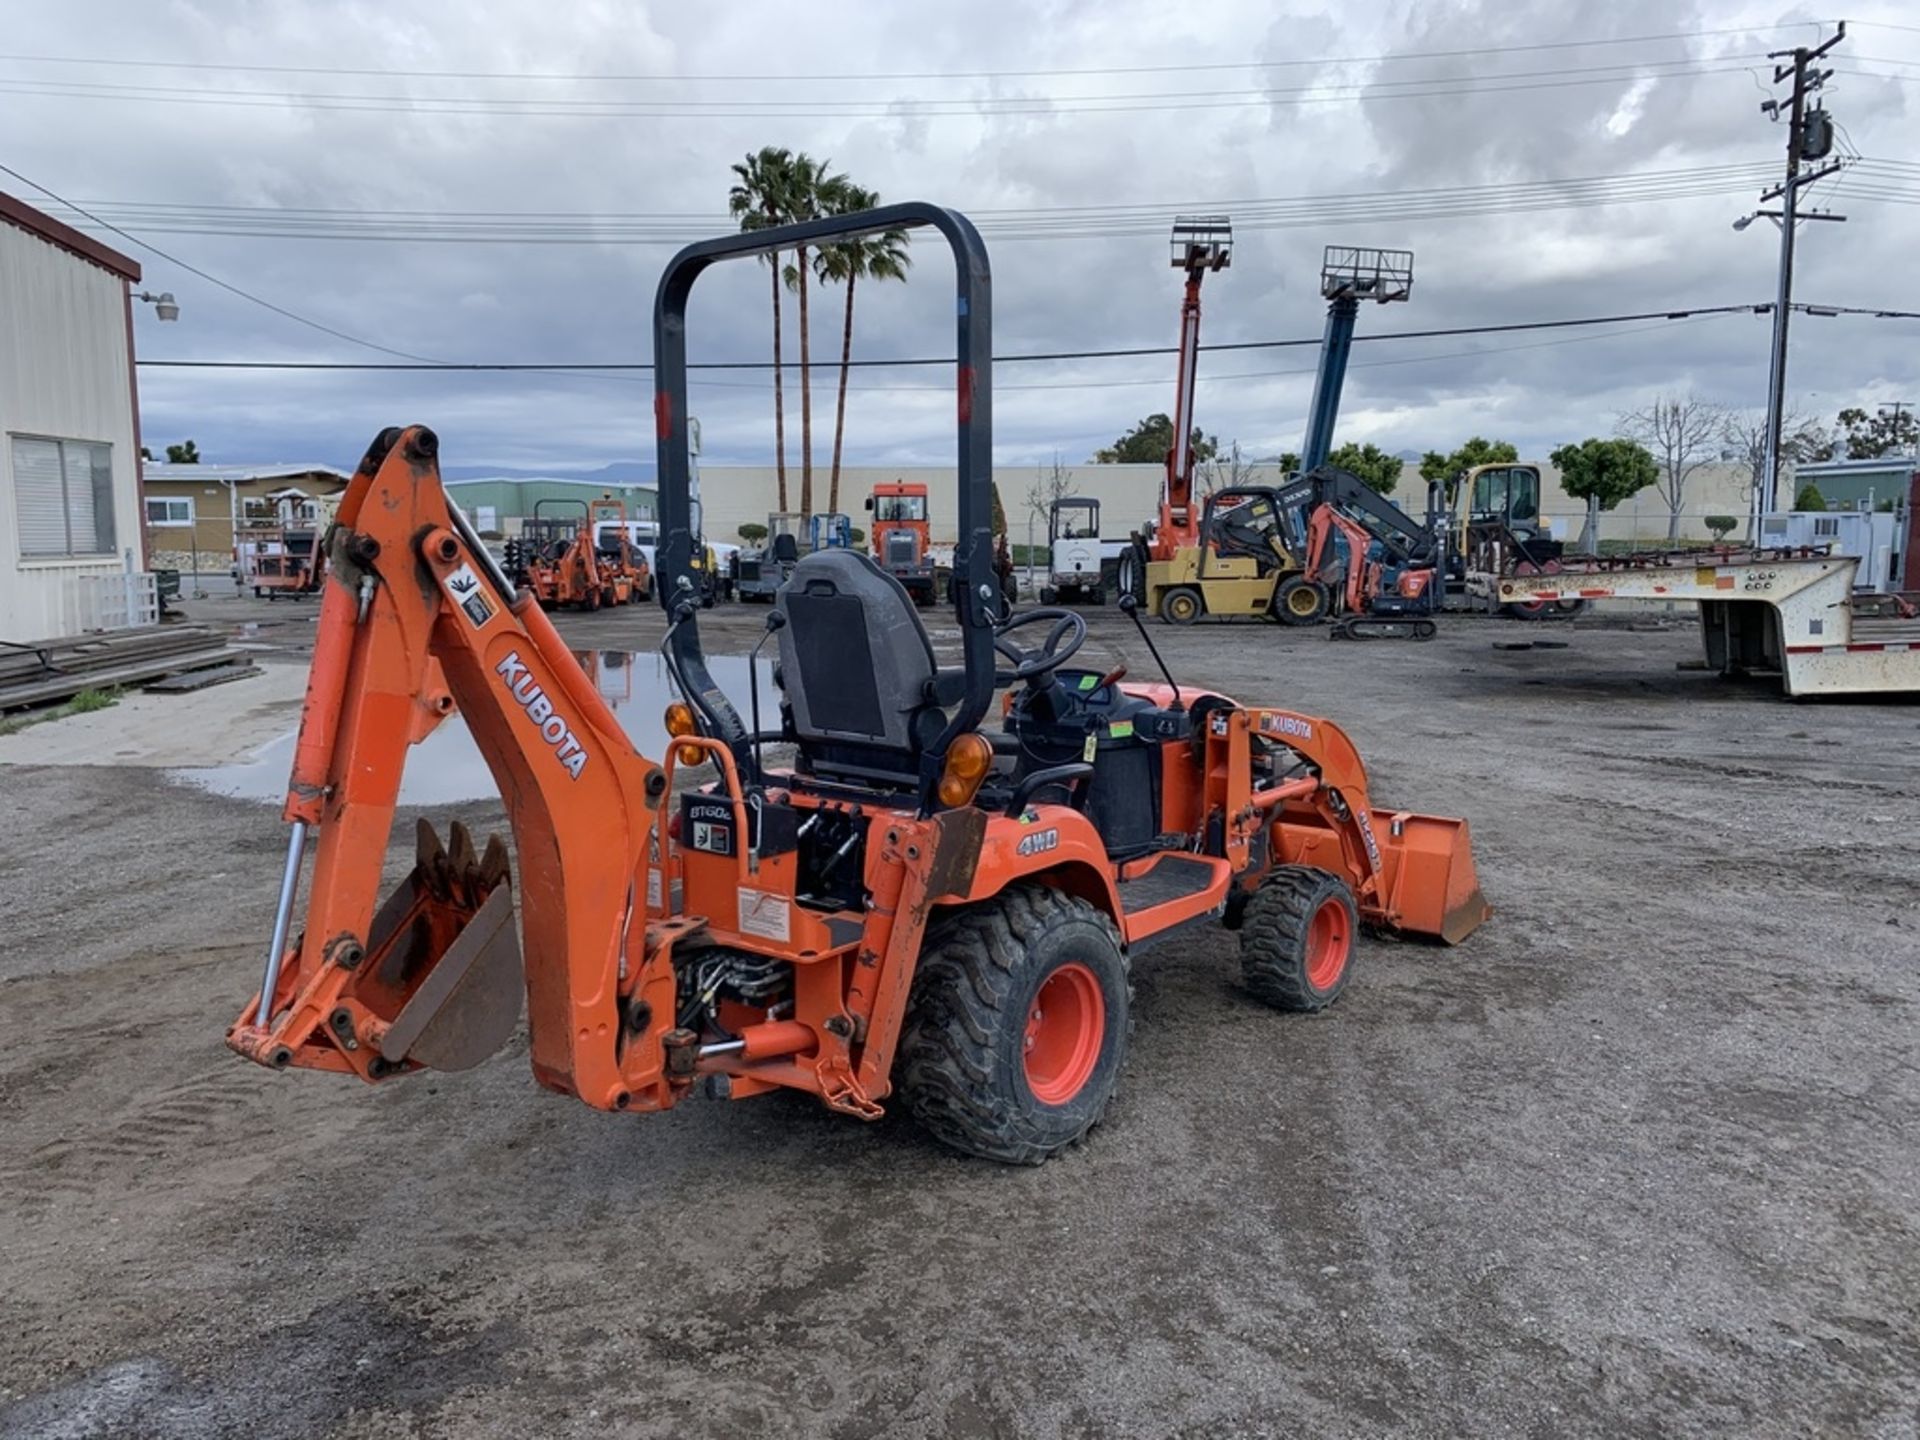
pixel 918 906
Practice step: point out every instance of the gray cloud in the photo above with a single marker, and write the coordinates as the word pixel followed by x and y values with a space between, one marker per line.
pixel 534 302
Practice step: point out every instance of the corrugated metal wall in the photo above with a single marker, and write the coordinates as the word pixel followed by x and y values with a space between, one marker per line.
pixel 64 375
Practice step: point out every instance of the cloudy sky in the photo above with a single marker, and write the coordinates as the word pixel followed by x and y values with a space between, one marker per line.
pixel 491 181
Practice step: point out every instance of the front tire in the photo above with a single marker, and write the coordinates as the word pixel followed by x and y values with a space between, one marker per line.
pixel 1300 601
pixel 1182 605
pixel 1017 1026
pixel 1296 938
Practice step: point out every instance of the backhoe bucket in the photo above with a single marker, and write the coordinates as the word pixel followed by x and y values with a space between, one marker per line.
pixel 439 983
pixel 1431 886
pixel 446 941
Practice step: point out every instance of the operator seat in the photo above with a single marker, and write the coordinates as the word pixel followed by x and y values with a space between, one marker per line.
pixel 786 548
pixel 857 668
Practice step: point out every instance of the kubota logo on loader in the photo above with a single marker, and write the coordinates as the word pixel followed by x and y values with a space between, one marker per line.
pixel 553 727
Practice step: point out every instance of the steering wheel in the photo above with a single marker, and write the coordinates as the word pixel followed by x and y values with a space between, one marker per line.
pixel 1063 641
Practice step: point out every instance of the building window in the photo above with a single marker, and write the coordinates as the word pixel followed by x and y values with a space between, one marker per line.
pixel 169 511
pixel 1826 526
pixel 63 494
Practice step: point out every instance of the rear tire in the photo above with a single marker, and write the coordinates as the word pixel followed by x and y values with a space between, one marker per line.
pixel 1048 595
pixel 1182 605
pixel 1296 938
pixel 1017 1027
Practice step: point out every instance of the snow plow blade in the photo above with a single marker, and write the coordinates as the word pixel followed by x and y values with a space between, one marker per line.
pixel 1431 886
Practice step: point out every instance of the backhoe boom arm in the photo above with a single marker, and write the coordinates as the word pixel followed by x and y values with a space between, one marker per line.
pixel 416 622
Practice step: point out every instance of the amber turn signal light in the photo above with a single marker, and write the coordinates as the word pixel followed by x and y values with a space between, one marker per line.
pixel 681 722
pixel 968 760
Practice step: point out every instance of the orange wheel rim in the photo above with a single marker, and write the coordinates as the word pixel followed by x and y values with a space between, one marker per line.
pixel 1329 938
pixel 1065 1028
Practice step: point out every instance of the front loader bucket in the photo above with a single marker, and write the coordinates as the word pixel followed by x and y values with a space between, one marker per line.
pixel 1431 886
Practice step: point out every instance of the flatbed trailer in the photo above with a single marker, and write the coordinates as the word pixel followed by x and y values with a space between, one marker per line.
pixel 1787 613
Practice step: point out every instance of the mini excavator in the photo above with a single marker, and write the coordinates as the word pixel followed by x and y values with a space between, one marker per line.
pixel 917 907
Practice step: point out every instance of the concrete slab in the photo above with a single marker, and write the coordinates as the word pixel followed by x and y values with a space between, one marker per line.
pixel 208 727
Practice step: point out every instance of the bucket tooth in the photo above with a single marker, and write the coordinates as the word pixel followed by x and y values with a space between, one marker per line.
pixel 430 860
pixel 460 852
pixel 493 863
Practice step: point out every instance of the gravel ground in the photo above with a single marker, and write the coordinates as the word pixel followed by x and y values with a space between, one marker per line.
pixel 1638 1158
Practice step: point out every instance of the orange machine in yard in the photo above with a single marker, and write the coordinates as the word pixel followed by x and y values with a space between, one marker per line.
pixel 575 568
pixel 902 537
pixel 918 906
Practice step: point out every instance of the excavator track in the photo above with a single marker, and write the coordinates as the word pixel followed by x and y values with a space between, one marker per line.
pixel 1382 627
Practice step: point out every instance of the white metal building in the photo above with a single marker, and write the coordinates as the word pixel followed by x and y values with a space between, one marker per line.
pixel 69 428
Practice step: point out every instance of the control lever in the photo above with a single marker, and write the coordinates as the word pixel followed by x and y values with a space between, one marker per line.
pixel 776 622
pixel 1130 607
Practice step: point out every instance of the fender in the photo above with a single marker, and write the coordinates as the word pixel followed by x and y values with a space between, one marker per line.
pixel 1054 843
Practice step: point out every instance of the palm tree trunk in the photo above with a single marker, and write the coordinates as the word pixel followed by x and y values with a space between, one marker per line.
pixel 840 405
pixel 806 395
pixel 779 399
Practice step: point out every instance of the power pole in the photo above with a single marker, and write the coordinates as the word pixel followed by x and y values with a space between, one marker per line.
pixel 1809 137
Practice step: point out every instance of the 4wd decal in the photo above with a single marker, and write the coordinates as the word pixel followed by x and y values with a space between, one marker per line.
pixel 465 588
pixel 553 726
pixel 1038 843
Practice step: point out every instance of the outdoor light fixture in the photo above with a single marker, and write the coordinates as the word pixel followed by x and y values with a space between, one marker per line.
pixel 1745 220
pixel 164 305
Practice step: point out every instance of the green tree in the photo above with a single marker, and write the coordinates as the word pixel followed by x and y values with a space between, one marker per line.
pixel 1810 497
pixel 1447 469
pixel 1722 525
pixel 1288 462
pixel 752 532
pixel 1603 473
pixel 1376 467
pixel 1149 442
pixel 1892 430
pixel 869 257
pixel 185 453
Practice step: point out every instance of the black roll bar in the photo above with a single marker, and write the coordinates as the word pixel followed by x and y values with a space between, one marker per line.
pixel 976 585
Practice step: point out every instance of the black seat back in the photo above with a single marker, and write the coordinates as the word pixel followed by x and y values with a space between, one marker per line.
pixel 855 661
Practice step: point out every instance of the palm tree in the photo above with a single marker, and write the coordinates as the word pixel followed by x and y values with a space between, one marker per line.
pixel 809 193
pixel 761 199
pixel 877 257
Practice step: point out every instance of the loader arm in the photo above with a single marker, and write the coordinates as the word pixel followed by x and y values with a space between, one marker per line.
pixel 416 621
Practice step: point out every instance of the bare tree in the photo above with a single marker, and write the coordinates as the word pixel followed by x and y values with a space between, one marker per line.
pixel 1682 432
pixel 1226 471
pixel 1802 438
pixel 1055 483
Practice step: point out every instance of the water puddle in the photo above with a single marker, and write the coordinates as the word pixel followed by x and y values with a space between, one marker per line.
pixel 446 767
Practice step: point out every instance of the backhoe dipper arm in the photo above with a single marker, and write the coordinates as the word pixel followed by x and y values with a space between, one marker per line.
pixel 417 620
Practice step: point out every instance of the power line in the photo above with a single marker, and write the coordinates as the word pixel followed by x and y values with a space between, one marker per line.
pixel 1034 357
pixel 576 228
pixel 216 280
pixel 897 109
pixel 1475 52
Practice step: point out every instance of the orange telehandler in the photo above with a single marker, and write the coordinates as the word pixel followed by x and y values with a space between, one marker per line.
pixel 918 905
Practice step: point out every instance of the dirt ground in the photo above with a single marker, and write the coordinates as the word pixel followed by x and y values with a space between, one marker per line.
pixel 1641 1157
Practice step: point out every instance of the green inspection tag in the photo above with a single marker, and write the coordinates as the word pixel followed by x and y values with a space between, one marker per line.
pixel 1120 729
pixel 1087 682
